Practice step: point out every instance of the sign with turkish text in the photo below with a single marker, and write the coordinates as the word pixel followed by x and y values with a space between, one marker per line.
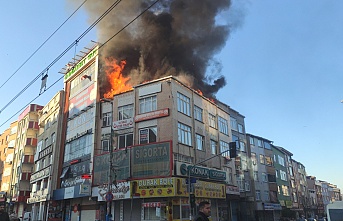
pixel 122 124
pixel 121 162
pixel 201 172
pixel 152 160
pixel 119 191
pixel 161 187
pixel 152 115
pixel 209 190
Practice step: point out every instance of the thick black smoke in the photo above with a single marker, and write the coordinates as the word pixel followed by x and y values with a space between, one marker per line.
pixel 175 37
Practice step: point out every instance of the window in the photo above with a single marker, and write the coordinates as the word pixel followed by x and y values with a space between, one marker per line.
pixel 224 146
pixel 197 113
pixel 147 104
pixel 266 195
pixel 213 147
pixel 223 126
pixel 264 177
pixel 267 145
pixel 295 198
pixel 106 119
pixel 253 158
pixel 240 183
pixel 125 112
pixel 233 123
pixel 247 186
pixel 183 104
pixel 276 174
pixel 285 190
pixel 262 159
pixel 283 175
pixel 290 170
pixel 259 143
pixel 148 135
pixel 46 142
pixel 258 195
pixel 269 161
pixel 199 141
pixel 255 175
pixel 126 140
pixel 212 121
pixel 105 145
pixel 241 146
pixel 53 137
pixel 279 190
pixel 251 140
pixel 281 160
pixel 240 128
pixel 184 134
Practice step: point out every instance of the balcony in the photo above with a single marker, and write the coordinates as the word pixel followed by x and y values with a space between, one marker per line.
pixel 26 176
pixel 28 159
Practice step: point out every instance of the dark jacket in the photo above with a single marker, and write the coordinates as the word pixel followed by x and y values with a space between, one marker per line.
pixel 4 216
pixel 201 217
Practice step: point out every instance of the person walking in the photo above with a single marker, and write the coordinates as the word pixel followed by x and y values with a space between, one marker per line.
pixel 204 211
pixel 3 214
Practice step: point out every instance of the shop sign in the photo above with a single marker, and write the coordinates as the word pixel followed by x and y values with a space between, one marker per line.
pixel 232 190
pixel 40 174
pixel 119 191
pixel 82 101
pixel 37 198
pixel 81 64
pixel 72 182
pixel 122 124
pixel 152 160
pixel 201 172
pixel 272 206
pixel 120 158
pixel 69 192
pixel 154 204
pixel 209 190
pixel 161 187
pixel 152 115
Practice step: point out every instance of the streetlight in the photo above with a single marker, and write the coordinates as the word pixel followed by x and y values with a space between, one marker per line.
pixel 232 149
pixel 109 188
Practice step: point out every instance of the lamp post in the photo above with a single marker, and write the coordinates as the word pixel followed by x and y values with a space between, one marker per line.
pixel 190 168
pixel 109 196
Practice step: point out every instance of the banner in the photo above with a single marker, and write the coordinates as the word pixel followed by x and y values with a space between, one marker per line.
pixel 152 160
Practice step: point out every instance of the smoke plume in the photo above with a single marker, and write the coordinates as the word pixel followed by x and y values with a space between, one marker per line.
pixel 174 37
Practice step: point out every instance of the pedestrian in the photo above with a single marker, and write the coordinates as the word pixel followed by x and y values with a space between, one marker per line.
pixel 204 211
pixel 3 214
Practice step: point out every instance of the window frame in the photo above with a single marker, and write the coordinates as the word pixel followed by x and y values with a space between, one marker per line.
pixel 125 109
pixel 223 125
pixel 198 113
pixel 184 133
pixel 200 138
pixel 126 138
pixel 106 119
pixel 183 104
pixel 212 121
pixel 147 104
pixel 152 129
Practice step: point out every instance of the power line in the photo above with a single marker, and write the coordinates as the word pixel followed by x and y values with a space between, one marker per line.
pixel 42 45
pixel 75 42
pixel 63 53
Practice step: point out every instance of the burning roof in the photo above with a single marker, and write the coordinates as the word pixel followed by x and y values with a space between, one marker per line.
pixel 175 37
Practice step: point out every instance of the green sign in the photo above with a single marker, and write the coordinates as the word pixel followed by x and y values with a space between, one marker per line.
pixel 151 160
pixel 82 63
pixel 120 165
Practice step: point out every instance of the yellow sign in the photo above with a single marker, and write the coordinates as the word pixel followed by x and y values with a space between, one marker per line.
pixel 209 190
pixel 160 187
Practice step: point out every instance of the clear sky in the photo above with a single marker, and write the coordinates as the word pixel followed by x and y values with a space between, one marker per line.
pixel 282 62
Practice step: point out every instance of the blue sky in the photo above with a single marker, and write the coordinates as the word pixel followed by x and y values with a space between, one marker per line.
pixel 282 62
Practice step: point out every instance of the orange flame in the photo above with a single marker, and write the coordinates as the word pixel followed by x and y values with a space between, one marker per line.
pixel 199 92
pixel 115 77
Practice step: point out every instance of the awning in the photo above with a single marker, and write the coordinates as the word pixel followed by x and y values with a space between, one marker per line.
pixel 64 172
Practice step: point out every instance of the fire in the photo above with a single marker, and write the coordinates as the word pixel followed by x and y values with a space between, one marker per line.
pixel 115 77
pixel 199 92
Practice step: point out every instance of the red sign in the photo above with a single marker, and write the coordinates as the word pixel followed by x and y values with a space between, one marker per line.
pixel 86 176
pixel 153 204
pixel 152 115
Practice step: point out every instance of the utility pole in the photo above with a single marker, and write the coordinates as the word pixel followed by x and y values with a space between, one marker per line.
pixel 232 151
pixel 109 195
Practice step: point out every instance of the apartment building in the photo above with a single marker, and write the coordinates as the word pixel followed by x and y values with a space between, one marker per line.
pixel 266 202
pixel 7 144
pixel 23 161
pixel 300 192
pixel 281 161
pixel 44 178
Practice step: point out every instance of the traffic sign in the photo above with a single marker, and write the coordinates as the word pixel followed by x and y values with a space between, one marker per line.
pixel 109 196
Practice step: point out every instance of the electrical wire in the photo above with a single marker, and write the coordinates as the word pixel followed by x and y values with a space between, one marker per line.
pixel 74 43
pixel 63 53
pixel 42 45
